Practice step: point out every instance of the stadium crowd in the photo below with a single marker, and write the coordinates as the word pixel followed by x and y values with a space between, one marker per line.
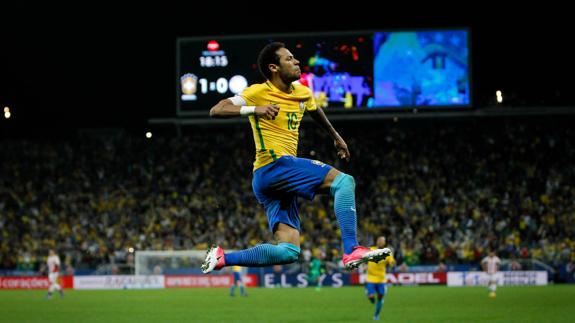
pixel 441 190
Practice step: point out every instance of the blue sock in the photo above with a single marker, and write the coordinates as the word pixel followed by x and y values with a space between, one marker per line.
pixel 378 306
pixel 371 300
pixel 232 290
pixel 264 255
pixel 343 190
pixel 242 290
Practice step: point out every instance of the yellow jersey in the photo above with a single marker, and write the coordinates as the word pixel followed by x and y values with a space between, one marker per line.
pixel 237 269
pixel 278 137
pixel 376 271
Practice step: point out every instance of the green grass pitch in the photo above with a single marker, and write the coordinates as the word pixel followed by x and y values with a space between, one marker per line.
pixel 348 304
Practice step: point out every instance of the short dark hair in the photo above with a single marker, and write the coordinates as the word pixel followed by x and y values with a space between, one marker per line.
pixel 268 56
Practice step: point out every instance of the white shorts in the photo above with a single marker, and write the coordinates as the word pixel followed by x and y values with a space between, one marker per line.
pixel 492 278
pixel 53 278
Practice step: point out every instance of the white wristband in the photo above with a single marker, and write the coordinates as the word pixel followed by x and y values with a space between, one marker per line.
pixel 247 110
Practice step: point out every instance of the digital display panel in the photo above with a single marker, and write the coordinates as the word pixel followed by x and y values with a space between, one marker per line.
pixel 345 71
pixel 428 68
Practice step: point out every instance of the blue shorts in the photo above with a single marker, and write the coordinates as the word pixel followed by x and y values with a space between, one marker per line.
pixel 277 186
pixel 237 277
pixel 372 288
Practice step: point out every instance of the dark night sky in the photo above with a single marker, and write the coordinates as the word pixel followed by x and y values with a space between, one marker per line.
pixel 112 71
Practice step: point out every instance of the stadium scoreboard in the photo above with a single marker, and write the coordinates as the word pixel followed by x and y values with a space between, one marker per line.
pixel 351 71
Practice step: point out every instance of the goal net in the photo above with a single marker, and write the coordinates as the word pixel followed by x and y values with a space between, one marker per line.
pixel 169 262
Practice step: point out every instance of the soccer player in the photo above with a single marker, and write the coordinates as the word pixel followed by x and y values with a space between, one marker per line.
pixel 275 109
pixel 53 264
pixel 238 282
pixel 375 281
pixel 316 269
pixel 490 265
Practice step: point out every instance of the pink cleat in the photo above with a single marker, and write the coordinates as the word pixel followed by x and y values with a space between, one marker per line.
pixel 361 255
pixel 214 259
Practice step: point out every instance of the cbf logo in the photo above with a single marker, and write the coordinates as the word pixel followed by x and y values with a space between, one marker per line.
pixel 317 162
pixel 301 106
pixel 189 83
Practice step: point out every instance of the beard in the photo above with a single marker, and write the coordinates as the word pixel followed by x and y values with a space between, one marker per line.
pixel 290 77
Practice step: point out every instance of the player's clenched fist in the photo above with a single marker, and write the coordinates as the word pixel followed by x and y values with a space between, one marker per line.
pixel 268 112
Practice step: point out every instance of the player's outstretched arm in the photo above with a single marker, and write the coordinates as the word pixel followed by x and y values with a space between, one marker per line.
pixel 320 118
pixel 226 109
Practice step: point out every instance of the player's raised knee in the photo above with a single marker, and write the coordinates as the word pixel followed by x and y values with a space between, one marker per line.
pixel 348 180
pixel 343 181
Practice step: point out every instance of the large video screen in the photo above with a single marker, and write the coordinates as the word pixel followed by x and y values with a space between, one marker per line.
pixel 346 71
pixel 415 69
